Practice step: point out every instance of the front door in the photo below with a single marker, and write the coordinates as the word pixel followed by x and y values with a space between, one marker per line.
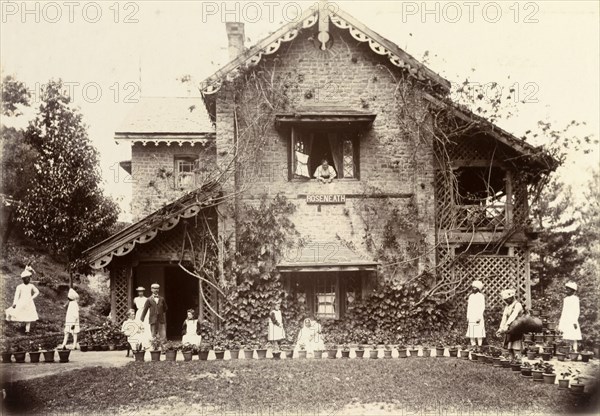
pixel 181 294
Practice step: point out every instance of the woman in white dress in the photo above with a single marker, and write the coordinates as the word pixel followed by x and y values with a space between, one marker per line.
pixel 23 308
pixel 309 337
pixel 276 332
pixel 140 301
pixel 72 318
pixel 569 317
pixel 475 308
pixel 190 330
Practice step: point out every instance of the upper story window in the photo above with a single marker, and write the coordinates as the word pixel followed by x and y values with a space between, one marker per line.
pixel 309 147
pixel 185 169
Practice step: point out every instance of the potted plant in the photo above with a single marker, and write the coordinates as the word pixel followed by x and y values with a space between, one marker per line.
pixel 439 351
pixel 19 353
pixel 464 352
pixel 276 352
pixel 537 371
pixel 249 350
pixel 48 351
pixel 549 337
pixel 515 365
pixel 63 354
pixel 234 349
pixel 219 349
pixel 526 370
pixel 528 337
pixel 586 355
pixel 331 351
pixel 301 351
pixel 563 383
pixel 549 374
pixel 261 351
pixel 170 348
pixel 34 352
pixel 413 351
pixel 360 351
pixel 546 356
pixel 346 351
pixel 6 352
pixel 573 355
pixel 402 351
pixel 560 356
pixel 504 361
pixel 288 351
pixel 387 352
pixel 373 352
pixel 187 350
pixel 83 342
pixel 538 338
pixel 453 351
pixel 577 386
pixel 318 354
pixel 426 352
pixel 155 351
pixel 139 353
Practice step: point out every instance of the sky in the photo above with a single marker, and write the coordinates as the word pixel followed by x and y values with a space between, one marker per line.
pixel 112 53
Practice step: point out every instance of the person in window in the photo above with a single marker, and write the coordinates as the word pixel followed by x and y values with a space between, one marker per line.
pixel 324 172
pixel 512 311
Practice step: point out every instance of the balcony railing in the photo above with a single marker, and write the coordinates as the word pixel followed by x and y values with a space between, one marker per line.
pixel 481 217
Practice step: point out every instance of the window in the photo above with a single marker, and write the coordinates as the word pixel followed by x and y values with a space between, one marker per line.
pixel 185 168
pixel 310 146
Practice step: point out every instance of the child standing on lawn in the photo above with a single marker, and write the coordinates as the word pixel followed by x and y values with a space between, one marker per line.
pixel 133 329
pixel 276 331
pixel 512 311
pixel 569 317
pixel 23 307
pixel 72 318
pixel 475 308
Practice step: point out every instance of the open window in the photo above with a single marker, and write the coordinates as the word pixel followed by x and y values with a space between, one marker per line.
pixel 310 146
pixel 185 169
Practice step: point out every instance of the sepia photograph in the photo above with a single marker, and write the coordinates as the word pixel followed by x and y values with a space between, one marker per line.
pixel 300 208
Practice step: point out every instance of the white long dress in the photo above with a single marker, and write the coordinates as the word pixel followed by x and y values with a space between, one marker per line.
pixel 310 338
pixel 145 336
pixel 276 331
pixel 475 308
pixel 569 317
pixel 191 327
pixel 133 330
pixel 72 317
pixel 25 310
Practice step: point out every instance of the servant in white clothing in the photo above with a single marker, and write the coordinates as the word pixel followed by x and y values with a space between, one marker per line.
pixel 475 308
pixel 569 318
pixel 512 311
pixel 140 301
pixel 191 330
pixel 276 332
pixel 23 308
pixel 325 173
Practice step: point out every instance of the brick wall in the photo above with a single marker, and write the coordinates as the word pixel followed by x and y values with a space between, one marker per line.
pixel 146 161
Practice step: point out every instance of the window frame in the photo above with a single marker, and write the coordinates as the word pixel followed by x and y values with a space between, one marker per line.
pixel 178 175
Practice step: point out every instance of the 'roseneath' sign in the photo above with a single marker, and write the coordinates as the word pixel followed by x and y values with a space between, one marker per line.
pixel 326 199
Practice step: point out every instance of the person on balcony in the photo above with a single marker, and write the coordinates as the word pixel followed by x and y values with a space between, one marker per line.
pixel 475 309
pixel 324 172
pixel 512 311
pixel 569 317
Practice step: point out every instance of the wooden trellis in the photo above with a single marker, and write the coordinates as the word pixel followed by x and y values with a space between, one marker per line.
pixel 120 282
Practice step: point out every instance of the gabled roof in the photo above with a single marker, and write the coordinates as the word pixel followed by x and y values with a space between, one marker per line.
pixel 342 20
pixel 144 231
pixel 166 119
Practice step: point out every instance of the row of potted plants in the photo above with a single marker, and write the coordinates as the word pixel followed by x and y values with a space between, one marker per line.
pixel 35 350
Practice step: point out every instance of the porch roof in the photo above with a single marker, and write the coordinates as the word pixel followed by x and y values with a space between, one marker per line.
pixel 324 256
pixel 326 115
pixel 144 231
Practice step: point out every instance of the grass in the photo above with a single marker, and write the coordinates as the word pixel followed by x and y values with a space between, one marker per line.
pixel 313 386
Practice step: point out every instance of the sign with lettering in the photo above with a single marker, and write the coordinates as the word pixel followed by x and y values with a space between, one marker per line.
pixel 325 199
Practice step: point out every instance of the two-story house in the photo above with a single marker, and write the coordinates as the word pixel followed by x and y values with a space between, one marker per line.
pixel 323 87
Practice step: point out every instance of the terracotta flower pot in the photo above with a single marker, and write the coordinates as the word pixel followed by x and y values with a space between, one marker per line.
pixel 464 354
pixel 373 354
pixel 426 352
pixel 203 355
pixel 155 355
pixel 7 357
pixel 19 357
pixel 549 378
pixel 453 352
pixel 219 355
pixel 515 367
pixel 361 353
pixel 546 356
pixel 171 355
pixel 538 375
pixel 289 354
pixel 577 388
pixel 83 347
pixel 552 326
pixel 413 352
pixel 277 355
pixel 585 356
pixel 526 371
pixel 34 356
pixel 234 354
pixel 261 353
pixel 505 363
pixel 496 362
pixel 549 338
pixel 573 356
pixel 139 355
pixel 301 354
pixel 63 356
pixel 474 356
pixel 563 383
pixel 560 356
pixel 531 355
pixel 332 353
pixel 187 355
pixel 402 352
pixel 48 356
pixel 346 354
pixel 528 338
pixel 439 352
pixel 538 337
pixel 248 354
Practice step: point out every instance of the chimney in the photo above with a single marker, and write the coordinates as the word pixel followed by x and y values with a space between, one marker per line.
pixel 235 35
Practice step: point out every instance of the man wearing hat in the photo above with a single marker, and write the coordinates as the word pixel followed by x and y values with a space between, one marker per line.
pixel 23 308
pixel 475 308
pixel 157 307
pixel 512 311
pixel 569 317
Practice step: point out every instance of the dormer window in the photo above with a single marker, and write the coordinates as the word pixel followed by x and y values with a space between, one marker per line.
pixel 185 169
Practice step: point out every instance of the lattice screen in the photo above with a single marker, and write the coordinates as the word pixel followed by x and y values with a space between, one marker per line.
pixel 212 297
pixel 120 292
pixel 496 272
pixel 348 162
pixel 520 204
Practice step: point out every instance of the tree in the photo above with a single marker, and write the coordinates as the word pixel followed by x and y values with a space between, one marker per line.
pixel 65 209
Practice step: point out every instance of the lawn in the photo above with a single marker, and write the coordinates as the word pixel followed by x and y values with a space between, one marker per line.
pixel 439 386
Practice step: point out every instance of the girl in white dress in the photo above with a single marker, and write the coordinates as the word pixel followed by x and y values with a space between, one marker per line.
pixel 190 330
pixel 133 330
pixel 276 331
pixel 72 319
pixel 475 308
pixel 139 301
pixel 569 317
pixel 23 308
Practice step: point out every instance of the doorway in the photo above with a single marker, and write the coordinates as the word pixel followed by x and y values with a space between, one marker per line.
pixel 181 294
